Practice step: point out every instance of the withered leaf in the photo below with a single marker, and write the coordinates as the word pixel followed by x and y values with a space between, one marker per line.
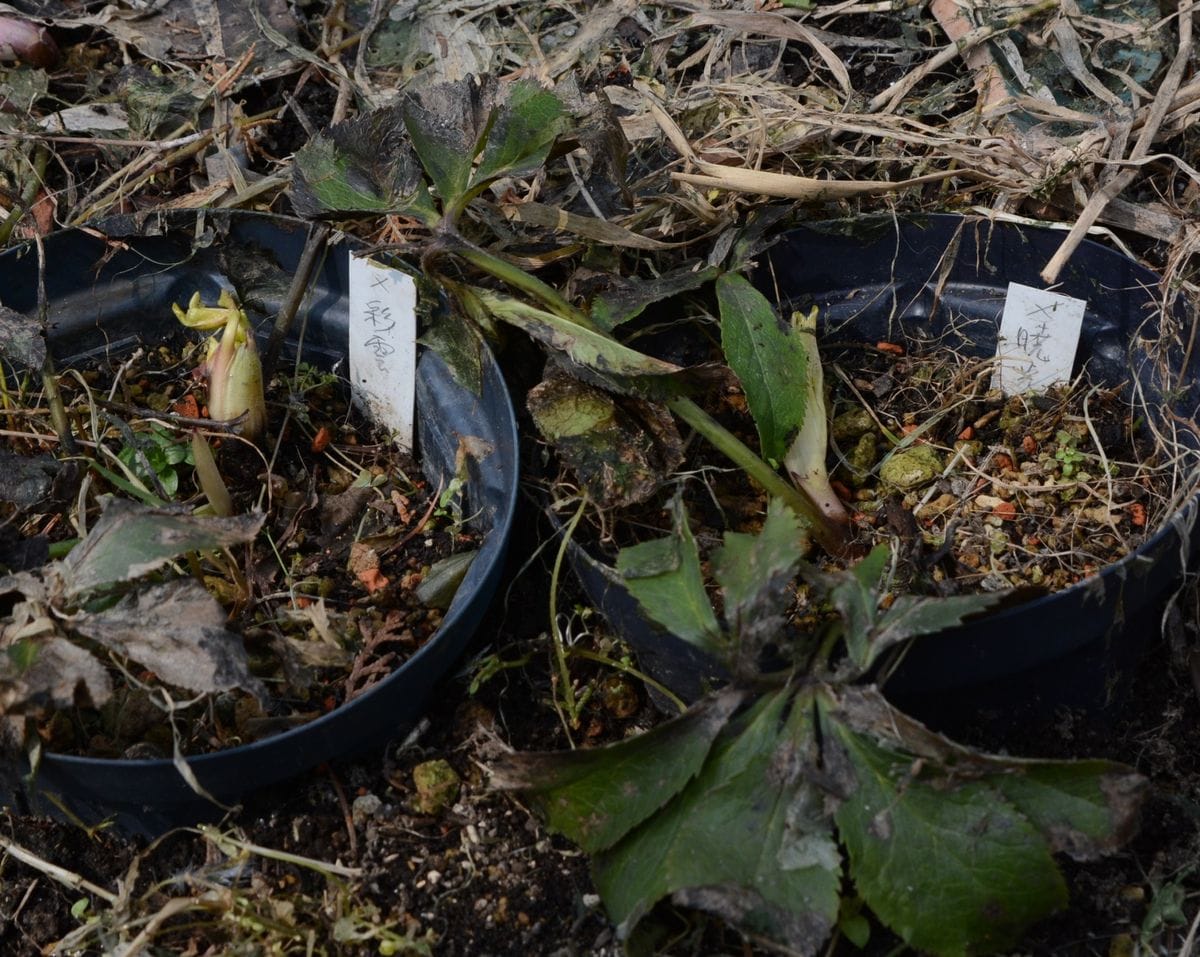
pixel 21 339
pixel 131 540
pixel 177 630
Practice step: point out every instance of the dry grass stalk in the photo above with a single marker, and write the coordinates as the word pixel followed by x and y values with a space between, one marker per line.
pixel 1118 181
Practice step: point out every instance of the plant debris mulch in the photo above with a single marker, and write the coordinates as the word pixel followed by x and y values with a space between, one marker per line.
pixel 465 871
pixel 991 492
pixel 1073 113
pixel 330 599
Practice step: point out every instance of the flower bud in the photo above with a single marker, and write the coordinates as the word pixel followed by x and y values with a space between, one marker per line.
pixel 232 366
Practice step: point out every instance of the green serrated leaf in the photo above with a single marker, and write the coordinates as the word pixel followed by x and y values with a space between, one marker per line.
pixel 918 834
pixel 1083 808
pixel 445 122
pixel 754 572
pixel 855 594
pixel 597 796
pixel 768 359
pixel 745 840
pixel 664 576
pixel 911 616
pixel 364 165
pixel 131 540
pixel 521 133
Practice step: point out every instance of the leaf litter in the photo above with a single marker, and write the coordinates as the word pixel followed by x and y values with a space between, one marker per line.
pixel 327 604
pixel 844 92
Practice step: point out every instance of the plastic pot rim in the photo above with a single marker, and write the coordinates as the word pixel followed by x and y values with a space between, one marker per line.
pixel 490 558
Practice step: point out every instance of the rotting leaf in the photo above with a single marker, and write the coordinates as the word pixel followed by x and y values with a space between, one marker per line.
pixel 438 588
pixel 628 298
pixel 458 343
pixel 733 843
pixel 51 673
pixel 177 630
pixel 589 349
pixel 768 359
pixel 363 165
pixel 21 341
pixel 130 540
pixel 598 795
pixel 28 479
pixel 446 123
pixel 1084 808
pixel 521 133
pixel 606 442
pixel 664 575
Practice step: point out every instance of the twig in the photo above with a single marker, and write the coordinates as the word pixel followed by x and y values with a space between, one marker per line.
pixel 347 816
pixel 1190 941
pixel 65 877
pixel 229 845
pixel 159 145
pixel 1117 183
pixel 198 145
pixel 314 246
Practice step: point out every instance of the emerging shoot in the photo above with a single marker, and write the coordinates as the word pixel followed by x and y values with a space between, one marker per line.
pixel 805 458
pixel 231 364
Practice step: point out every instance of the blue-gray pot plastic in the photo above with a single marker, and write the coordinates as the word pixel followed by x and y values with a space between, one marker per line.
pixel 942 280
pixel 104 296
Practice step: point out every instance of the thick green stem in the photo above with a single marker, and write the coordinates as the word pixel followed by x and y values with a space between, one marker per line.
pixel 519 279
pixel 831 539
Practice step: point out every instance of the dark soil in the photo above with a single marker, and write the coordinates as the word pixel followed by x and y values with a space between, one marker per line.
pixel 326 597
pixel 482 877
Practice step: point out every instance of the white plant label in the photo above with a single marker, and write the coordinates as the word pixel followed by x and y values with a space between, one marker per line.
pixel 383 345
pixel 1039 333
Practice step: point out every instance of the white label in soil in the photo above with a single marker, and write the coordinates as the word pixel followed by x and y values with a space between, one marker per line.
pixel 1039 333
pixel 383 345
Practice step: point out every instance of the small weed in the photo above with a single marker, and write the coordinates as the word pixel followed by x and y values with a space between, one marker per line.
pixel 162 450
pixel 1068 453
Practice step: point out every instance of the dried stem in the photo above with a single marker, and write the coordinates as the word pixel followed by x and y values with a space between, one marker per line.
pixel 1117 182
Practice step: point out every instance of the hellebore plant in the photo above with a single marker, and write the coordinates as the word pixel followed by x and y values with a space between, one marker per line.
pixel 441 148
pixel 786 802
pixel 789 802
pixel 231 363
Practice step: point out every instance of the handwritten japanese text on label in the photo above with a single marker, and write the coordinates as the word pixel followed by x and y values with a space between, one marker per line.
pixel 383 345
pixel 1039 333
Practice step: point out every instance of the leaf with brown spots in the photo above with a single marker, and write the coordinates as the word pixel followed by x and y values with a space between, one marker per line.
pixel 596 796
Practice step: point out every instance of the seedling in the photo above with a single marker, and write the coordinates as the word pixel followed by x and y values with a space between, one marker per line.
pixel 1068 453
pixel 162 451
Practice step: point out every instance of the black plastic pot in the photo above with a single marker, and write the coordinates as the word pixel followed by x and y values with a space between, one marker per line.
pixel 106 296
pixel 944 278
